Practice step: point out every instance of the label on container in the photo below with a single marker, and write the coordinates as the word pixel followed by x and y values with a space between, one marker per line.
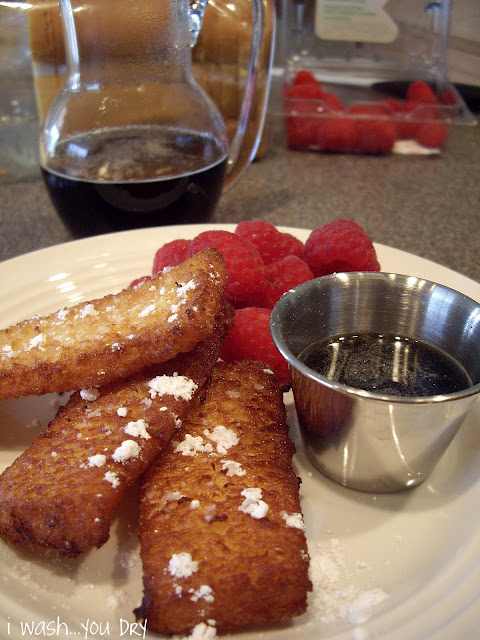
pixel 354 21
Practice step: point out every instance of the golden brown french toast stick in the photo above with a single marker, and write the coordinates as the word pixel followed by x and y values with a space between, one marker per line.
pixel 61 493
pixel 221 530
pixel 113 337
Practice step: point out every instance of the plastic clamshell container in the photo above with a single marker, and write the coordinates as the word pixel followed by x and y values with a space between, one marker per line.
pixel 387 91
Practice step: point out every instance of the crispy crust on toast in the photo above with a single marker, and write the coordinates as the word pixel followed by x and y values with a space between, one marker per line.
pixel 61 493
pixel 114 337
pixel 211 560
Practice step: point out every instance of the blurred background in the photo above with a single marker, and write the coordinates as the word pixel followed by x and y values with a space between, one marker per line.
pixel 463 52
pixel 387 194
pixel 462 45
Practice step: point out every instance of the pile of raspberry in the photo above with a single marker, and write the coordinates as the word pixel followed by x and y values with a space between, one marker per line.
pixel 318 119
pixel 262 264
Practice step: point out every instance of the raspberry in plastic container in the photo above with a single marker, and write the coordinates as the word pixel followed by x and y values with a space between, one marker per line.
pixel 271 243
pixel 431 134
pixel 332 102
pixel 250 339
pixel 376 136
pixel 306 90
pixel 284 274
pixel 406 125
pixel 303 101
pixel 170 255
pixel 302 132
pixel 420 91
pixel 338 134
pixel 303 76
pixel 342 245
pixel 246 272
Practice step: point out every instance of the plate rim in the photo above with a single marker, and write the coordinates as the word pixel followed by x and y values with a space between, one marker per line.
pixel 55 252
pixel 52 258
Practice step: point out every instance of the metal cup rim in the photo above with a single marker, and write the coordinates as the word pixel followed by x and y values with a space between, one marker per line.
pixel 293 361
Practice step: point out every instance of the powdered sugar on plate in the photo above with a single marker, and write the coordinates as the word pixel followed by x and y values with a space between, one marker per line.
pixel 335 597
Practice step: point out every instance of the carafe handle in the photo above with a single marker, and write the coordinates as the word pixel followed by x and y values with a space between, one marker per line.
pixel 250 118
pixel 242 148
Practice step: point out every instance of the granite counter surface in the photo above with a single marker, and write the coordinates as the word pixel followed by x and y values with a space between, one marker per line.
pixel 428 206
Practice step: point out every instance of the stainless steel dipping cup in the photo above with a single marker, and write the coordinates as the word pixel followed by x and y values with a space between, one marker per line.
pixel 365 440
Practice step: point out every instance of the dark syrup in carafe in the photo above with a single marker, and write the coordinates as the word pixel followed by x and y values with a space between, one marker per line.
pixel 387 364
pixel 119 179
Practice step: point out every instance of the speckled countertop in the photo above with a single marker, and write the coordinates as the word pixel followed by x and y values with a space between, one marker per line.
pixel 429 206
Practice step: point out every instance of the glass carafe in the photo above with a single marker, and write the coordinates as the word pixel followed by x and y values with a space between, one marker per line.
pixel 132 140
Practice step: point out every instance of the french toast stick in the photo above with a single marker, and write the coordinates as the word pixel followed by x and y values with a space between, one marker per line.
pixel 95 342
pixel 61 493
pixel 221 531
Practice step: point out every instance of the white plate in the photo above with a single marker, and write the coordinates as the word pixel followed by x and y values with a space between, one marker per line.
pixel 421 548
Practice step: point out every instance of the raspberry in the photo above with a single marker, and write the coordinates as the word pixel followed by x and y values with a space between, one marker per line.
pixel 170 254
pixel 431 134
pixel 245 269
pixel 134 283
pixel 270 242
pixel 447 96
pixel 304 77
pixel 369 109
pixel 332 102
pixel 289 245
pixel 406 125
pixel 420 91
pixel 302 103
pixel 301 131
pixel 284 274
pixel 390 104
pixel 425 112
pixel 376 136
pixel 250 339
pixel 338 134
pixel 262 234
pixel 342 245
pixel 306 91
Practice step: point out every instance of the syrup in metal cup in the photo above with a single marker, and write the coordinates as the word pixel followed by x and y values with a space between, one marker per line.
pixel 374 440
